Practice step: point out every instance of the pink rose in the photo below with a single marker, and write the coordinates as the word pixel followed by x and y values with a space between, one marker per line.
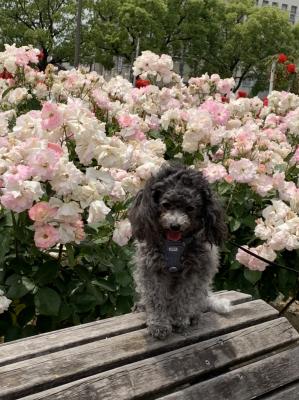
pixel 125 120
pixel 52 118
pixel 42 212
pixel 46 236
pixel 56 148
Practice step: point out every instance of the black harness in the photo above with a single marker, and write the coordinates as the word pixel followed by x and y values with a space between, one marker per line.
pixel 173 251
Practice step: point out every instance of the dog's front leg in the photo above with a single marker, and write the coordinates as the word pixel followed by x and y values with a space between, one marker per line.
pixel 181 306
pixel 158 319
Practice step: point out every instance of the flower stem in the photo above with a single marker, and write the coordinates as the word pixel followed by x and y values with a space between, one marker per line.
pixel 60 252
pixel 15 227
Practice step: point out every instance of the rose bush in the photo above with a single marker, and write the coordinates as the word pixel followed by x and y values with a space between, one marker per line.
pixel 75 149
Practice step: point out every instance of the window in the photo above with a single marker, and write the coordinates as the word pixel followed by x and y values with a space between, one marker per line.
pixel 274 4
pixel 265 3
pixel 293 14
pixel 284 7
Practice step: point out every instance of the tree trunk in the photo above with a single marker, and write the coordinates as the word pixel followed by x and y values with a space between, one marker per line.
pixel 78 33
pixel 182 61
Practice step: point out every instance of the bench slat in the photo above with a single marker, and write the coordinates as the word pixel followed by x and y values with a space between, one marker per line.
pixel 75 336
pixel 175 368
pixel 290 393
pixel 248 382
pixel 234 296
pixel 27 376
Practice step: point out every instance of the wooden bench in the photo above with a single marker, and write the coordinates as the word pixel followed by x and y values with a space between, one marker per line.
pixel 250 353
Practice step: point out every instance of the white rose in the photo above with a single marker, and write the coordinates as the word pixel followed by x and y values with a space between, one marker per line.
pixel 122 232
pixel 10 64
pixel 262 231
pixel 17 95
pixel 4 302
pixel 146 170
pixel 279 240
pixel 97 211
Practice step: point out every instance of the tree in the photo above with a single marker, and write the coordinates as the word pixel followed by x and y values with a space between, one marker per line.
pixel 117 25
pixel 47 24
pixel 160 25
pixel 241 40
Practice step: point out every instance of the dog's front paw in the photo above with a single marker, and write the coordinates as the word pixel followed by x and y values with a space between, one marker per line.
pixel 159 331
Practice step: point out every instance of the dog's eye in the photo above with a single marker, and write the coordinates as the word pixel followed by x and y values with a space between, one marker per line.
pixel 190 208
pixel 166 205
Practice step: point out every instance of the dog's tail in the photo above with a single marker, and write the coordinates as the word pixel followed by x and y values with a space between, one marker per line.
pixel 220 306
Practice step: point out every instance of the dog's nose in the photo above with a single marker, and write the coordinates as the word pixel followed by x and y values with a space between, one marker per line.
pixel 175 227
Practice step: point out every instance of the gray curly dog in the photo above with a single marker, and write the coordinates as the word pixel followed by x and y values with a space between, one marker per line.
pixel 177 223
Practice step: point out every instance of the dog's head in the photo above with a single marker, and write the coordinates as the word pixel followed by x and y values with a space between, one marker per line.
pixel 177 203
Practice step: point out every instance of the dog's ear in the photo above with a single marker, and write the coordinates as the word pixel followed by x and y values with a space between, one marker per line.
pixel 215 227
pixel 143 214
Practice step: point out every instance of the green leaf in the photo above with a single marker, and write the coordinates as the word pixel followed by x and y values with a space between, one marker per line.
pixel 65 312
pixel 123 278
pixel 70 254
pixel 47 301
pixel 18 286
pixel 101 240
pixel 6 91
pixel 252 276
pixel 84 302
pixel 47 272
pixel 235 265
pixel 234 225
pixel 103 284
pixel 4 245
pixel 124 304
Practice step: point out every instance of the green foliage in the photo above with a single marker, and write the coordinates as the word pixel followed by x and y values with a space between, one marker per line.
pixel 61 287
pixel 48 25
pixel 231 38
pixel 241 39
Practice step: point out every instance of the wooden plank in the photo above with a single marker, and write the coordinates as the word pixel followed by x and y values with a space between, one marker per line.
pixel 248 382
pixel 160 373
pixel 234 297
pixel 87 359
pixel 65 338
pixel 289 393
pixel 75 336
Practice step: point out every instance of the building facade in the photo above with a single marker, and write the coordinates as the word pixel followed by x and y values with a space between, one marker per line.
pixel 289 6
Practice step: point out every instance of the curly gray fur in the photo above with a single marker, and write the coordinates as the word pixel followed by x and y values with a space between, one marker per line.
pixel 176 198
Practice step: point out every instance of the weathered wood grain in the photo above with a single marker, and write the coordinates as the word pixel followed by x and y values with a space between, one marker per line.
pixel 289 393
pixel 70 337
pixel 234 297
pixel 248 382
pixel 87 359
pixel 150 376
pixel 75 336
